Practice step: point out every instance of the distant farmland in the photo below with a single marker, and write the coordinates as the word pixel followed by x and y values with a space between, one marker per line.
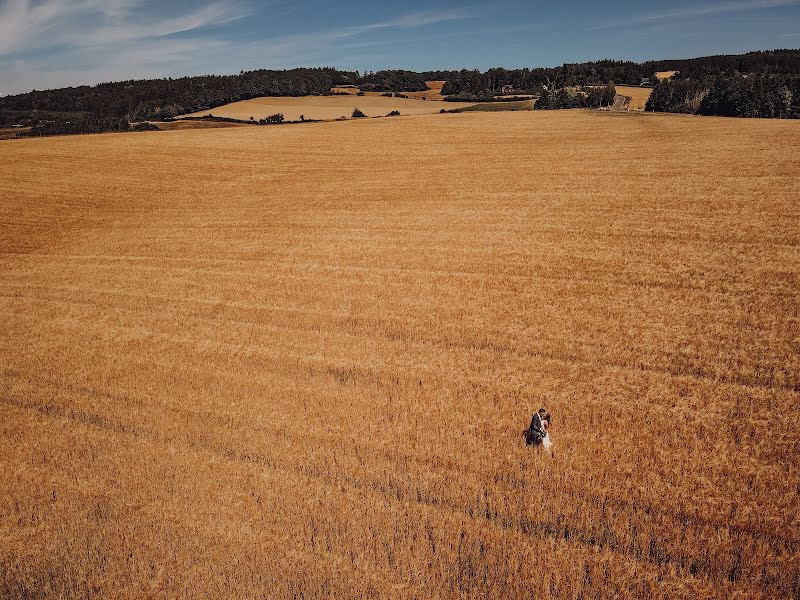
pixel 638 95
pixel 296 362
pixel 325 107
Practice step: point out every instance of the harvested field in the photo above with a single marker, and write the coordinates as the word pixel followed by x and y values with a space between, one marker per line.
pixel 324 107
pixel 296 361
pixel 661 75
pixel 638 95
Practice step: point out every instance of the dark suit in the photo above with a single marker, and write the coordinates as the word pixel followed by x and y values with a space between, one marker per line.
pixel 536 424
pixel 536 431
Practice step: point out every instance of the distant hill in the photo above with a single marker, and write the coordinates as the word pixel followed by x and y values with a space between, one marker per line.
pixel 159 99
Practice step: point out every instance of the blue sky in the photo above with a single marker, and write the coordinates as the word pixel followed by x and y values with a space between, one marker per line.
pixel 53 43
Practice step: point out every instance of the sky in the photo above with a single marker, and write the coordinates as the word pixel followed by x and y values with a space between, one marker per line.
pixel 55 43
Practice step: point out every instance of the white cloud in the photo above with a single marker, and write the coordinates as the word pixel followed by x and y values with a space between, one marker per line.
pixel 217 13
pixel 692 12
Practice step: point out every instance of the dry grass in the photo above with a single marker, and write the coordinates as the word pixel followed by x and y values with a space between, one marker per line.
pixel 325 107
pixel 296 361
pixel 638 95
pixel 661 75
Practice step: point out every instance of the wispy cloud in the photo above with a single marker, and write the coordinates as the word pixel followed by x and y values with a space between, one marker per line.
pixel 26 27
pixel 318 46
pixel 429 17
pixel 407 21
pixel 693 12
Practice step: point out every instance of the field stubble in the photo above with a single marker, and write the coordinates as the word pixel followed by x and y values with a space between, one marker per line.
pixel 296 361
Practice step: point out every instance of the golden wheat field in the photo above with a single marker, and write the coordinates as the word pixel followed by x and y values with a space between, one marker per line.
pixel 296 362
pixel 325 107
pixel 638 95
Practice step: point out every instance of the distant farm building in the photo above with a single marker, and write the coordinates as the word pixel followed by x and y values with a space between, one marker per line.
pixel 508 89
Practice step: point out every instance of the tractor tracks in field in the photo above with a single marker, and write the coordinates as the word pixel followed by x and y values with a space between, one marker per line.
pixel 364 329
pixel 337 271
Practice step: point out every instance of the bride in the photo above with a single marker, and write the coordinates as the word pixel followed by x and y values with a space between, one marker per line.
pixel 547 443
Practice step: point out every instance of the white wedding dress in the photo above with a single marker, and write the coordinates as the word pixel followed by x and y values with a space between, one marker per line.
pixel 546 443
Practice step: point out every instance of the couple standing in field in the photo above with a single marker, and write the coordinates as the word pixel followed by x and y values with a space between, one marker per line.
pixel 537 433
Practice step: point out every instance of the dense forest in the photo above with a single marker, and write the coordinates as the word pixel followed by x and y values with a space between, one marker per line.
pixel 756 84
